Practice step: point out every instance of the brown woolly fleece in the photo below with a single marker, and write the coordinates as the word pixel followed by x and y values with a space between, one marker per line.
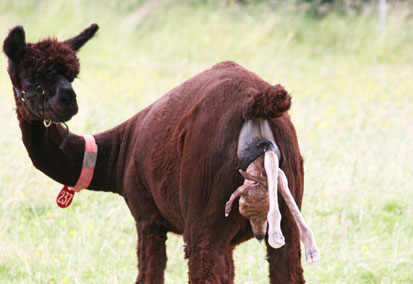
pixel 175 163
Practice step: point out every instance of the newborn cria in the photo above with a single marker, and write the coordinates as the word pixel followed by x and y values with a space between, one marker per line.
pixel 253 203
pixel 259 185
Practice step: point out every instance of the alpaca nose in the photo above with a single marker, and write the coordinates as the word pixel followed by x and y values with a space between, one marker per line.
pixel 66 95
pixel 259 237
pixel 263 145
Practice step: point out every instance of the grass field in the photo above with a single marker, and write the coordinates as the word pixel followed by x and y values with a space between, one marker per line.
pixel 352 108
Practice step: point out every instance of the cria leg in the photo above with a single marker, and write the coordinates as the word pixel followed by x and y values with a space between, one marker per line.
pixel 242 190
pixel 312 254
pixel 275 236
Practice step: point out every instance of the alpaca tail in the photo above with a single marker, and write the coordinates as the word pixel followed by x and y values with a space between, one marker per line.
pixel 272 102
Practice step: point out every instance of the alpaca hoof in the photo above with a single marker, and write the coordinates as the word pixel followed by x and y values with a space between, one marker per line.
pixel 276 240
pixel 312 256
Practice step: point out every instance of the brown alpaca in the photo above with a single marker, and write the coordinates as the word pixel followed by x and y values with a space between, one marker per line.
pixel 175 163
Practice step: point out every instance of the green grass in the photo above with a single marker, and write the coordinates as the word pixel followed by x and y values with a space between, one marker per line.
pixel 352 90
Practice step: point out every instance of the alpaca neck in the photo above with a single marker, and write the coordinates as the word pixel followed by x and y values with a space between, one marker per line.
pixel 64 166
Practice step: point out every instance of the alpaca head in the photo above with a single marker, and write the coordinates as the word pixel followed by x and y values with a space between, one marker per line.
pixel 42 73
pixel 254 206
pixel 254 200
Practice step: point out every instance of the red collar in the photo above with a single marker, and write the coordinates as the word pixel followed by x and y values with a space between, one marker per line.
pixel 66 195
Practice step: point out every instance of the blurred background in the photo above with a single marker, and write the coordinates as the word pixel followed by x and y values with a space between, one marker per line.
pixel 348 65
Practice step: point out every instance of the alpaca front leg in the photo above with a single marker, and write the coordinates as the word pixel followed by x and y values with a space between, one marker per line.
pixel 151 253
pixel 312 254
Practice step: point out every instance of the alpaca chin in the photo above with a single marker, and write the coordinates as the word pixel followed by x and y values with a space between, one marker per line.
pixel 259 227
pixel 59 112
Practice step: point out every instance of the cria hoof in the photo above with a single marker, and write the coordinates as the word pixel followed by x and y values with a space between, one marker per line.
pixel 312 256
pixel 276 240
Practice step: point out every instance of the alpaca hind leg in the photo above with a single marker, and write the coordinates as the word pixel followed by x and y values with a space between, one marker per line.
pixel 312 254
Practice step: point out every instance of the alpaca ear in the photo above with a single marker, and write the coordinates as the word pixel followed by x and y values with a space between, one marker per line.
pixel 14 45
pixel 78 41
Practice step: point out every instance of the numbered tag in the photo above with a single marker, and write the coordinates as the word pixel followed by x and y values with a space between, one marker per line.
pixel 65 197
